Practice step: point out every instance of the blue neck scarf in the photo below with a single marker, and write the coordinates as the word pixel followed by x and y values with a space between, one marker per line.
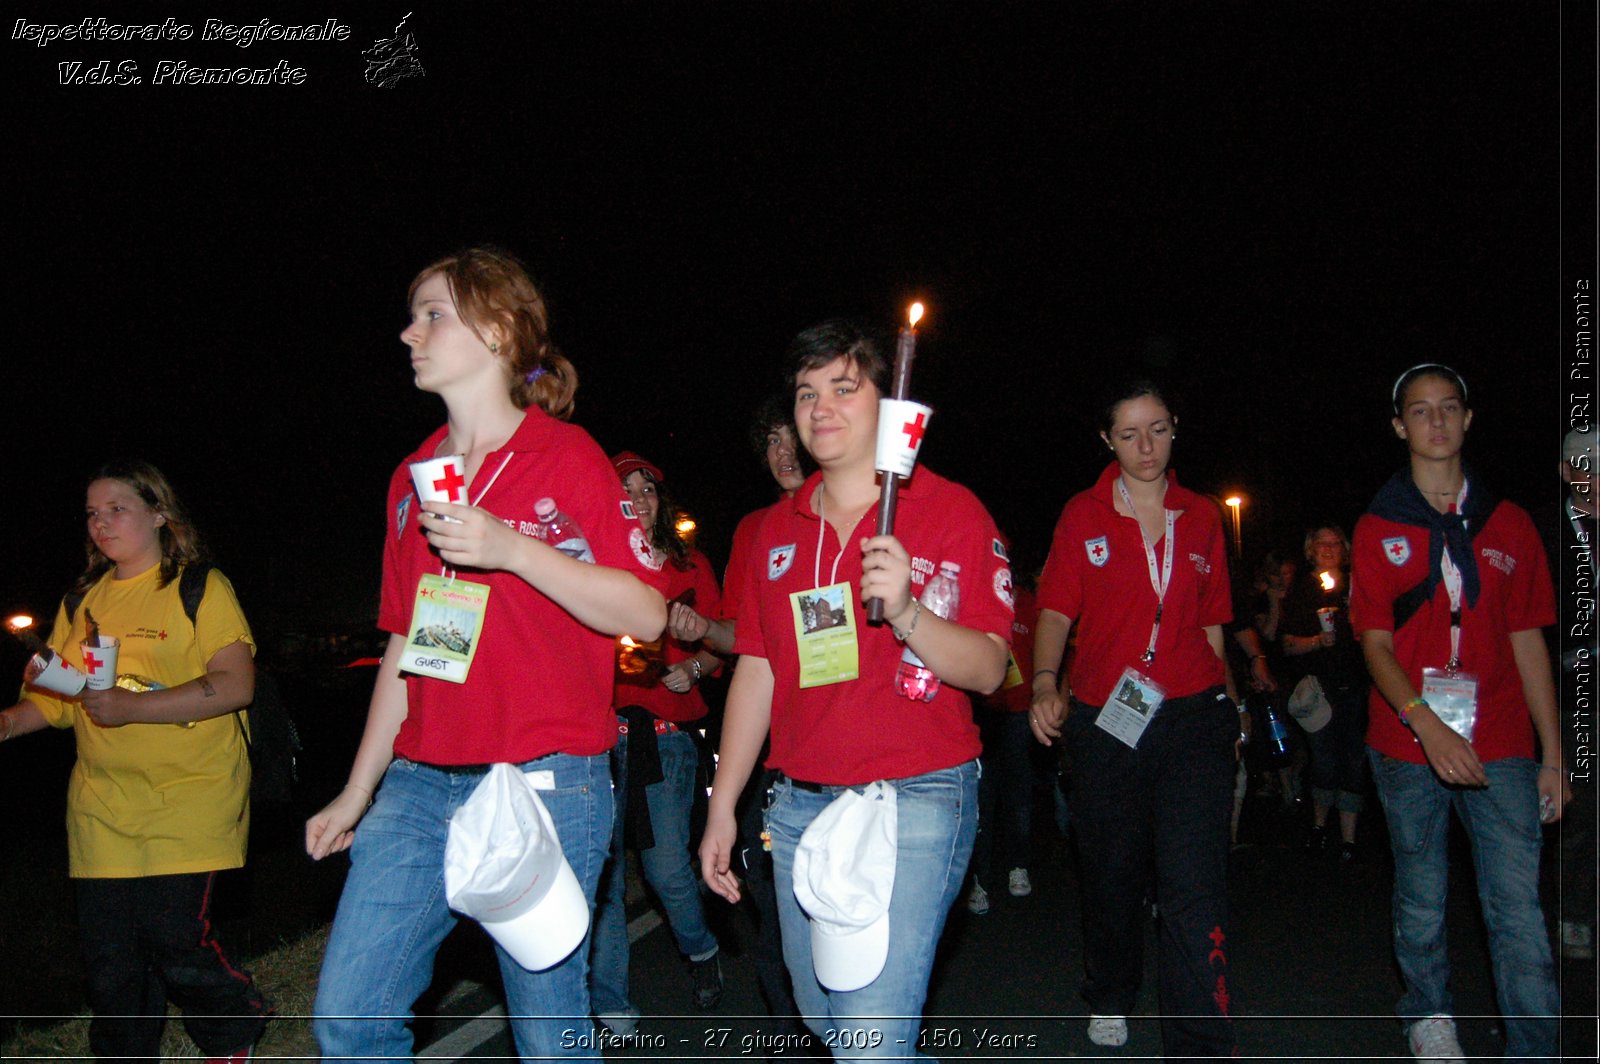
pixel 1400 501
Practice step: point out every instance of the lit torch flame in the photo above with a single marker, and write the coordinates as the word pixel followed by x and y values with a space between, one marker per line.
pixel 1327 580
pixel 914 315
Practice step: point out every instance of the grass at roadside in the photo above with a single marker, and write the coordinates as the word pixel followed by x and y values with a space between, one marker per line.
pixel 287 975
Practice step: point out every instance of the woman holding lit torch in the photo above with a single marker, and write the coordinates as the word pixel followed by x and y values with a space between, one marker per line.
pixel 1318 643
pixel 1139 566
pixel 537 691
pixel 850 746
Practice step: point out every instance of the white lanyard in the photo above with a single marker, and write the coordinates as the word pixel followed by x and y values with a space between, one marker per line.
pixel 444 570
pixel 1452 588
pixel 1159 578
pixel 822 525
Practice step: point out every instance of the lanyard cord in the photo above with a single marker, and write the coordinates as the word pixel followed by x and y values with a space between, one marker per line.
pixel 444 570
pixel 822 524
pixel 1452 586
pixel 1159 579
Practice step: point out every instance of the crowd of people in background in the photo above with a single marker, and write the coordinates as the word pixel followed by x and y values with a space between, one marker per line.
pixel 869 776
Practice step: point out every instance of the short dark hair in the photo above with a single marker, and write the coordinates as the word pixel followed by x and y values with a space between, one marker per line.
pixel 839 338
pixel 775 412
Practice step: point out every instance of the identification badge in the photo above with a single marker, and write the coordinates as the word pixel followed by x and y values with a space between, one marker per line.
pixel 1134 700
pixel 446 620
pixel 825 635
pixel 1013 673
pixel 1453 697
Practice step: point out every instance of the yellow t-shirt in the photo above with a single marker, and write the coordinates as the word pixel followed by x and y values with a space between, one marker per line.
pixel 154 799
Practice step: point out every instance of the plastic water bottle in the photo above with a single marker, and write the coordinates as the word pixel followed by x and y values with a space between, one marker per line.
pixel 561 531
pixel 1277 735
pixel 942 596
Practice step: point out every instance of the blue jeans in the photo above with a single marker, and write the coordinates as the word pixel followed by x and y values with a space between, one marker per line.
pixel 666 869
pixel 392 915
pixel 1502 821
pixel 937 814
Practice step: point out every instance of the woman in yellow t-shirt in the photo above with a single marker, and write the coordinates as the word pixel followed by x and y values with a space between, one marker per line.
pixel 158 800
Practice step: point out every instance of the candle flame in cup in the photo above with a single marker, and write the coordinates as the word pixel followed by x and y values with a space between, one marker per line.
pixel 914 315
pixel 628 642
pixel 18 621
pixel 1327 580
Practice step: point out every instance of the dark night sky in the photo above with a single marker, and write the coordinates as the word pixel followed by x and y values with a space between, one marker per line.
pixel 1276 207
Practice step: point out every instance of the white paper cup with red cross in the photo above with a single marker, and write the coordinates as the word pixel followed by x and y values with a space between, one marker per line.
pixel 901 425
pixel 53 674
pixel 441 479
pixel 100 661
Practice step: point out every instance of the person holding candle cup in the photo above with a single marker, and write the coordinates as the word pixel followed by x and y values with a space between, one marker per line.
pixel 1138 568
pixel 1317 643
pixel 840 729
pixel 537 692
pixel 159 799
pixel 1450 591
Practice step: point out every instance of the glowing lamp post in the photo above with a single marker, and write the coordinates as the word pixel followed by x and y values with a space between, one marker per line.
pixel 1235 503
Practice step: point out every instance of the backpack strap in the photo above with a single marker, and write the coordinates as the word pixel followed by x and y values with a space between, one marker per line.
pixel 71 601
pixel 192 588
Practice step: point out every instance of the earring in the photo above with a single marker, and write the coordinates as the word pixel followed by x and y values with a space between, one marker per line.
pixel 494 349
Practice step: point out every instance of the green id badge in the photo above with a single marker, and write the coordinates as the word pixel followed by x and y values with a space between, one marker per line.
pixel 446 620
pixel 825 635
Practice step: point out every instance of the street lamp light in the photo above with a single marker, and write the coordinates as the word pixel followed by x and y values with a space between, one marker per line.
pixel 1235 503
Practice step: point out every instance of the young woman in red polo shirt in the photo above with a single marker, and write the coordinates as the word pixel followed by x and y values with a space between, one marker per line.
pixel 1139 566
pixel 837 720
pixel 536 694
pixel 1450 592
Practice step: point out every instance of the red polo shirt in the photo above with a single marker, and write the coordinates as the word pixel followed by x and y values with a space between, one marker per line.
pixel 541 682
pixel 1097 576
pixel 862 730
pixel 735 578
pixel 672 582
pixel 1515 595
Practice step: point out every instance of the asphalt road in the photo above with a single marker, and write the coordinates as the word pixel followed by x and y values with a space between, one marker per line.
pixel 1312 972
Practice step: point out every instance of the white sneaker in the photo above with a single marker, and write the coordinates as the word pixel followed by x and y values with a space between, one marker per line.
pixel 1435 1039
pixel 978 900
pixel 1108 1030
pixel 1018 883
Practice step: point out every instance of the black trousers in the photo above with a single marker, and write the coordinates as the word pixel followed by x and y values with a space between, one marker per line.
pixel 147 939
pixel 1158 817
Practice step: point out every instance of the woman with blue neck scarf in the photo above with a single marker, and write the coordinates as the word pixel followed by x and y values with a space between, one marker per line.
pixel 1450 591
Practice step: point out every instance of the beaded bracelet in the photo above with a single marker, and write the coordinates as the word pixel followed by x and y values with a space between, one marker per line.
pixel 1405 710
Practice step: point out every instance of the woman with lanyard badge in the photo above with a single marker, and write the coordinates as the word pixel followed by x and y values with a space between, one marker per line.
pixel 825 681
pixel 1139 565
pixel 537 692
pixel 1450 591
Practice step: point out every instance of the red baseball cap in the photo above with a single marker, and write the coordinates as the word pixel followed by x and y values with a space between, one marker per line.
pixel 627 462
